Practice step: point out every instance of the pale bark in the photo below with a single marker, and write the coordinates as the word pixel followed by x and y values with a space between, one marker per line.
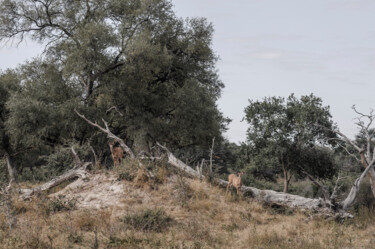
pixel 109 133
pixel 287 178
pixel 211 154
pixel 70 175
pixel 269 196
pixel 79 171
pixel 365 154
pixel 371 172
pixel 7 195
pixel 11 172
pixel 348 202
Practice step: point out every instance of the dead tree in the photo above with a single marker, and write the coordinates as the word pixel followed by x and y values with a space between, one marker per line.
pixel 119 140
pixel 79 171
pixel 109 133
pixel 366 151
pixel 11 171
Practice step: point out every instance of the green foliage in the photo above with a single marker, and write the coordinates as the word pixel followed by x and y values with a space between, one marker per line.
pixel 159 70
pixel 41 111
pixel 61 203
pixel 125 176
pixel 8 84
pixel 75 238
pixel 286 134
pixel 148 220
pixel 365 198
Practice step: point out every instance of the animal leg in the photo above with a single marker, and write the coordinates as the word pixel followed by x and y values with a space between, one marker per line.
pixel 228 186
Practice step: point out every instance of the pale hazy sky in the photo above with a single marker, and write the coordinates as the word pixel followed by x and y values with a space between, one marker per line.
pixel 275 48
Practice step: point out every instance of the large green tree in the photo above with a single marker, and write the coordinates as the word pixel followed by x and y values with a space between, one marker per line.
pixel 159 71
pixel 8 84
pixel 290 131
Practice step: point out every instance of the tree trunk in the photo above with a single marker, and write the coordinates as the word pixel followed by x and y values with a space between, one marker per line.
pixel 79 171
pixel 211 154
pixel 89 87
pixel 287 177
pixel 11 171
pixel 70 175
pixel 371 172
pixel 355 188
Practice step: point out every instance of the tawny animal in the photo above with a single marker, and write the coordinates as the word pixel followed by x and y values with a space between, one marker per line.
pixel 117 154
pixel 235 180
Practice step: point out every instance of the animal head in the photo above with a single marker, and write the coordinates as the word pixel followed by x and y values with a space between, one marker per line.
pixel 241 173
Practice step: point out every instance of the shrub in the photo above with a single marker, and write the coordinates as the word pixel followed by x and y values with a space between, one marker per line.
pixel 148 220
pixel 125 176
pixel 75 238
pixel 365 197
pixel 60 203
pixel 182 191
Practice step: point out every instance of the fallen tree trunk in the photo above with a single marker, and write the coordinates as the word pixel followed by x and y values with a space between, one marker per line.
pixel 79 171
pixel 270 196
pixel 11 172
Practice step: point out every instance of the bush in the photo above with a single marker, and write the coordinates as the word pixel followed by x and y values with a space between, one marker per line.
pixel 182 191
pixel 75 238
pixel 148 220
pixel 125 176
pixel 365 197
pixel 60 203
pixel 127 170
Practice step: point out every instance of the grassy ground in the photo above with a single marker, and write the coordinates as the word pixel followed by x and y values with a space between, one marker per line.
pixel 171 212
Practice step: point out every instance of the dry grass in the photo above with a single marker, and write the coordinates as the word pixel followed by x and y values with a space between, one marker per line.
pixel 201 216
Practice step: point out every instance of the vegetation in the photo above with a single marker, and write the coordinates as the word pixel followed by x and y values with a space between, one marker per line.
pixel 151 75
pixel 288 133
pixel 151 78
pixel 210 218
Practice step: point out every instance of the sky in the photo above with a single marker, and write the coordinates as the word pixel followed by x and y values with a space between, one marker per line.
pixel 275 48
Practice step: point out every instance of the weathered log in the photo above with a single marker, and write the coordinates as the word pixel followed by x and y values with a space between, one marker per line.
pixel 79 171
pixel 269 196
pixel 71 174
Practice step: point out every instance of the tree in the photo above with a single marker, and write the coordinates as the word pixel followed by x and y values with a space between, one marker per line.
pixel 136 57
pixel 363 145
pixel 8 83
pixel 88 39
pixel 289 131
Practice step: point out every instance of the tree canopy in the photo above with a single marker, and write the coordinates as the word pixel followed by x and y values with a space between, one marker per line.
pixel 150 74
pixel 291 131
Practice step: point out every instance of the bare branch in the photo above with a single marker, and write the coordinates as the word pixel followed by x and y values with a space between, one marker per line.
pixel 114 108
pixel 336 187
pixel 322 187
pixel 349 153
pixel 349 200
pixel 211 154
pixel 108 132
pixel 77 160
pixel 350 141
